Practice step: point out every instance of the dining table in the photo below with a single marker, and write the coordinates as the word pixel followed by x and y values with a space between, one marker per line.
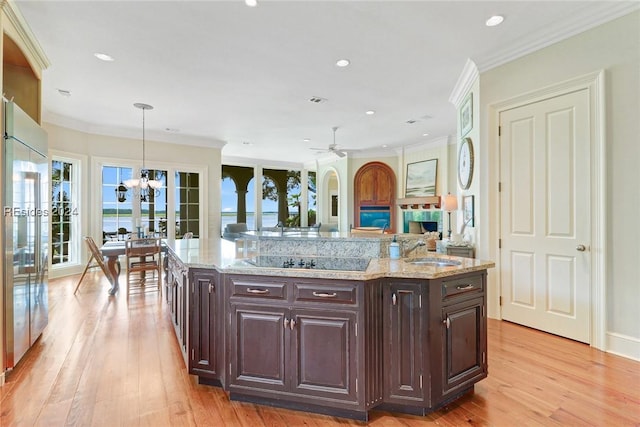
pixel 111 251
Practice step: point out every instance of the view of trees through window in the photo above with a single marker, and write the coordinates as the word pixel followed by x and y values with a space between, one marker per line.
pixel 64 212
pixel 275 184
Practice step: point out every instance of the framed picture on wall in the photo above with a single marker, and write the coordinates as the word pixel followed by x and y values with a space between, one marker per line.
pixel 467 210
pixel 421 178
pixel 466 115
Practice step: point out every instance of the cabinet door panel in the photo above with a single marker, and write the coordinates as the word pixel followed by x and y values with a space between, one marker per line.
pixel 204 325
pixel 324 354
pixel 464 348
pixel 258 339
pixel 403 342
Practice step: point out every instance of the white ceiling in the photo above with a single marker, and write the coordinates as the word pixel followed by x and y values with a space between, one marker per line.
pixel 221 72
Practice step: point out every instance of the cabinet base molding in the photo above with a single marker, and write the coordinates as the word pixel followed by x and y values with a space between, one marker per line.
pixel 421 410
pixel 298 406
pixel 210 381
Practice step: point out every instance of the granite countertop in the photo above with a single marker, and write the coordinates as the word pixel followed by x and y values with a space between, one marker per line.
pixel 224 256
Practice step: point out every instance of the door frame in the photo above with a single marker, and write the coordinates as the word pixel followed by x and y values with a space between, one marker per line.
pixel 594 83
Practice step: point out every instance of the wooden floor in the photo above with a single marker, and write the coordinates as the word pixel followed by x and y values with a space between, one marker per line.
pixel 104 362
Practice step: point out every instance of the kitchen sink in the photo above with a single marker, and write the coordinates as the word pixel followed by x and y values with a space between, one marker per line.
pixel 433 262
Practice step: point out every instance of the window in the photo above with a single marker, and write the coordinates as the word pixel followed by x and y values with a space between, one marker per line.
pixel 65 239
pixel 153 210
pixel 311 198
pixel 187 203
pixel 117 217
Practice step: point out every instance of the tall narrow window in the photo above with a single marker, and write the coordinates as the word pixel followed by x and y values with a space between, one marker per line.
pixel 153 210
pixel 117 219
pixel 187 203
pixel 311 198
pixel 64 213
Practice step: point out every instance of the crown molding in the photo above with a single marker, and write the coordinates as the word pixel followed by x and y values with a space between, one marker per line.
pixel 26 36
pixel 578 23
pixel 171 138
pixel 264 164
pixel 467 77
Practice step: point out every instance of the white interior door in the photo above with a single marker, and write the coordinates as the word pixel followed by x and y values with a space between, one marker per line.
pixel 545 215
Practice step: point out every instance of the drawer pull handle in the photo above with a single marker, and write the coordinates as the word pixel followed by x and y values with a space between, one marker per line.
pixel 286 323
pixel 325 294
pixel 464 287
pixel 257 291
pixel 293 324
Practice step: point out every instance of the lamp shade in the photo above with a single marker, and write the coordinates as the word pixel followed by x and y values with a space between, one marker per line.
pixel 449 203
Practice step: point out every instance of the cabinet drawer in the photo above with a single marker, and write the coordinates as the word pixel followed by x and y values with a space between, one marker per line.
pixel 343 293
pixel 258 289
pixel 462 286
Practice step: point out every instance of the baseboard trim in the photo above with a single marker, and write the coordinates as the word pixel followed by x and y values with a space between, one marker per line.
pixel 623 345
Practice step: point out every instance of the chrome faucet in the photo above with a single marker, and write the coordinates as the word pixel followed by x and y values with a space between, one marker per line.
pixel 414 247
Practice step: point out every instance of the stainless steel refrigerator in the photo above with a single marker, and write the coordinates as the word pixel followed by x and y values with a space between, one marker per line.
pixel 25 199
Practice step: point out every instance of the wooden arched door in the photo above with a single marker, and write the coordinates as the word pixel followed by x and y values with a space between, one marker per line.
pixel 374 196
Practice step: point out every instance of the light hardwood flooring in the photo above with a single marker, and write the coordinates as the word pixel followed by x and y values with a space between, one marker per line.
pixel 105 362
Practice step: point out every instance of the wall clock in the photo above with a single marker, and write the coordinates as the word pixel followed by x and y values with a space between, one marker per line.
pixel 465 163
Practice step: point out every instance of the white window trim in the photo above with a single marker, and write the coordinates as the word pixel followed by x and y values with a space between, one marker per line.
pixel 79 162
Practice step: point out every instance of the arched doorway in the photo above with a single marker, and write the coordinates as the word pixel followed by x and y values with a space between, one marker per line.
pixel 374 196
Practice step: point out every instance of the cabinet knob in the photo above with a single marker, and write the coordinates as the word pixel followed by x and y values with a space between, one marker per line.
pixel 293 324
pixel 286 323
pixel 581 248
pixel 394 299
pixel 211 287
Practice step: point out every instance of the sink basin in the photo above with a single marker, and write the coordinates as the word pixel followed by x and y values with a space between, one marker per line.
pixel 433 262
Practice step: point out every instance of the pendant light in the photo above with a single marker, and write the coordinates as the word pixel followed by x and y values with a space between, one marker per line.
pixel 144 185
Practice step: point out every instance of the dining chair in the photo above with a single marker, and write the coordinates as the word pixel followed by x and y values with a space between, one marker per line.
pixel 188 235
pixel 144 265
pixel 96 256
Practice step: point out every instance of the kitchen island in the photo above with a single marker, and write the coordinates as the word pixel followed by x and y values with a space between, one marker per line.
pixel 405 335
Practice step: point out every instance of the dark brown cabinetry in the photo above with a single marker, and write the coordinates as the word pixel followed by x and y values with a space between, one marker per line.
pixel 176 296
pixel 403 343
pixel 206 337
pixel 332 346
pixel 296 341
pixel 435 342
pixel 464 333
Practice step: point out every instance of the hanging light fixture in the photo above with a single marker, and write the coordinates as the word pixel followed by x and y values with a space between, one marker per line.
pixel 144 185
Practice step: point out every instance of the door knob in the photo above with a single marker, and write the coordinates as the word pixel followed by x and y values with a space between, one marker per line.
pixel 581 248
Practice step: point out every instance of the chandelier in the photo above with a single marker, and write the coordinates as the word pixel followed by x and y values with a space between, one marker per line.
pixel 143 185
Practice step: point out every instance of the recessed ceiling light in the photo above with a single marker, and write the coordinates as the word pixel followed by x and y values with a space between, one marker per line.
pixel 425 134
pixel 103 57
pixel 342 62
pixel 384 145
pixel 306 140
pixel 64 92
pixel 172 130
pixel 370 112
pixel 251 3
pixel 246 143
pixel 494 20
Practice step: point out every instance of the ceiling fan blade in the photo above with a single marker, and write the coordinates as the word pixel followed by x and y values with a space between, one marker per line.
pixel 338 153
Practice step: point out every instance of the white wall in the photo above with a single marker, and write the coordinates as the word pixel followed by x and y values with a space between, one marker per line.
pixel 615 48
pixel 161 155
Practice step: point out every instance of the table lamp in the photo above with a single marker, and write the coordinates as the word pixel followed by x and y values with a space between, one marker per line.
pixel 449 204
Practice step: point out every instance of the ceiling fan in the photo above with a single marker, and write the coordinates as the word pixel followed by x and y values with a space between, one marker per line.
pixel 333 148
